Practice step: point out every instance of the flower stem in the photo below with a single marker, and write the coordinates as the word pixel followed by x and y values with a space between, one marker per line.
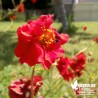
pixel 10 26
pixel 82 50
pixel 13 2
pixel 85 48
pixel 32 84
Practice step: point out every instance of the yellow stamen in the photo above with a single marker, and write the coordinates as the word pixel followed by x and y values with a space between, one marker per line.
pixel 47 37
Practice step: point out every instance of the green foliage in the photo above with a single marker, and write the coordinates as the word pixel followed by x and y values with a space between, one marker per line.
pixel 54 86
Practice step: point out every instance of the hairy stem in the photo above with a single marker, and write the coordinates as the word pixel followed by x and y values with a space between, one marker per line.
pixel 32 84
pixel 9 27
pixel 82 50
pixel 13 2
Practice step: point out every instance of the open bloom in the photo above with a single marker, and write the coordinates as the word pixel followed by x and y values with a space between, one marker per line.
pixel 38 42
pixel 21 88
pixel 20 8
pixel 69 68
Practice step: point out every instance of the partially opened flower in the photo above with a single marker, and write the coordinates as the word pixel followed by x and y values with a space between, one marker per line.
pixel 37 82
pixel 77 63
pixel 63 66
pixel 21 88
pixel 20 8
pixel 39 42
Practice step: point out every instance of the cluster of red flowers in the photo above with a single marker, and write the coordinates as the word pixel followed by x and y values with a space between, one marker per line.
pixel 21 88
pixel 39 42
pixel 69 68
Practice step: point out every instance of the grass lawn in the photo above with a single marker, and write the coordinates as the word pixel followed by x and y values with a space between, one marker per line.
pixel 54 86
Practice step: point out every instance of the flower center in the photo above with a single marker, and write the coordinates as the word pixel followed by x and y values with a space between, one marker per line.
pixel 47 37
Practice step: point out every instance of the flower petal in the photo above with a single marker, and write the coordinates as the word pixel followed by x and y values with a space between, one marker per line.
pixel 63 38
pixel 24 35
pixel 32 55
pixel 21 49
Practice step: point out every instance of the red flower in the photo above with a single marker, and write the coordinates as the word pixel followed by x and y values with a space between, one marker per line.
pixel 95 39
pixel 64 68
pixel 79 90
pixel 20 8
pixel 85 28
pixel 69 68
pixel 33 1
pixel 77 63
pixel 38 42
pixel 38 81
pixel 21 88
pixel 12 17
